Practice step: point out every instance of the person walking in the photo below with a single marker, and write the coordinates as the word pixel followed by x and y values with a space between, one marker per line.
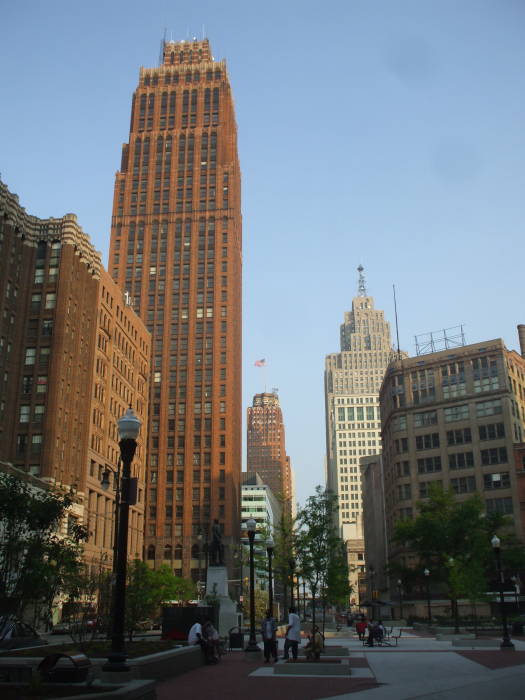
pixel 293 634
pixel 268 631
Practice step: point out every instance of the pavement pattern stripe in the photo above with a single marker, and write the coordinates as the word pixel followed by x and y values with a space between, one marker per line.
pixel 490 660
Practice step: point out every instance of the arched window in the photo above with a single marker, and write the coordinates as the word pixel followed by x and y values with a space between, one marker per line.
pixel 178 551
pixel 167 551
pixel 195 551
pixel 172 57
pixel 151 553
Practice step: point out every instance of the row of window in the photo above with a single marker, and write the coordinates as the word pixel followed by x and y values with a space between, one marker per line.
pixel 461 436
pixel 450 414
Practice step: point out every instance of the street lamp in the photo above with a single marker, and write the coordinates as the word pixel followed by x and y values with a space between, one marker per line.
pixel 202 584
pixel 105 483
pixel 291 564
pixel 251 526
pixel 427 579
pixel 269 548
pixel 304 599
pixel 517 585
pixel 400 590
pixel 128 428
pixel 372 572
pixel 496 545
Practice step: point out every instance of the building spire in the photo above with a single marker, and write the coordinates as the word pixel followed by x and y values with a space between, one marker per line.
pixel 361 285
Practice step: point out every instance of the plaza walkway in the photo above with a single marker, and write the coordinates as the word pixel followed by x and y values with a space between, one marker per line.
pixel 420 667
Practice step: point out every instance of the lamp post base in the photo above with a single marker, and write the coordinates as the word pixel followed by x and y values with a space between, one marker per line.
pixel 116 663
pixel 507 644
pixel 252 648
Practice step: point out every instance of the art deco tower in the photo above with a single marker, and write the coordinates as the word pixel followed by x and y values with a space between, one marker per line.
pixel 176 246
pixel 352 381
pixel 266 454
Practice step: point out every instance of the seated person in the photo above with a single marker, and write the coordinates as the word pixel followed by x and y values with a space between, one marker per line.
pixel 195 634
pixel 315 644
pixel 211 642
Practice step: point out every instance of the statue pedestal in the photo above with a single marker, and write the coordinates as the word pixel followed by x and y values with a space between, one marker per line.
pixel 217 585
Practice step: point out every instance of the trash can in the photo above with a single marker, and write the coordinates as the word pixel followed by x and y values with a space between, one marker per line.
pixel 64 668
pixel 236 638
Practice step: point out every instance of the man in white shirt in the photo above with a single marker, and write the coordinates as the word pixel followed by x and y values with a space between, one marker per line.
pixel 195 634
pixel 293 634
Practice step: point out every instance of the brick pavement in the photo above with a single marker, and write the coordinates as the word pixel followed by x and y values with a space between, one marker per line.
pixel 231 679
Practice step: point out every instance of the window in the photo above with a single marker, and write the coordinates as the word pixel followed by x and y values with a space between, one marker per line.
pixel 423 389
pixel 404 492
pixel 456 413
pixel 41 384
pixel 499 480
pixel 39 413
pixel 401 445
pixel 36 444
pixel 427 442
pixel 485 374
pixel 499 505
pixel 426 418
pixel 488 408
pixel 425 487
pixel 496 455
pixel 459 437
pixel 492 431
pixel 30 356
pixel 51 300
pixel 399 423
pixel 463 484
pixel 428 465
pixel 461 460
pixel 24 414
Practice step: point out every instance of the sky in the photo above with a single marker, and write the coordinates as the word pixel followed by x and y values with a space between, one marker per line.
pixel 377 132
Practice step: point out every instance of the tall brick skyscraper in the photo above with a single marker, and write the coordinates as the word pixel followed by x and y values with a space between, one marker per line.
pixel 176 246
pixel 266 447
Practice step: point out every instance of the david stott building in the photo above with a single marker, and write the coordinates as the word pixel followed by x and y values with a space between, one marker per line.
pixel 176 247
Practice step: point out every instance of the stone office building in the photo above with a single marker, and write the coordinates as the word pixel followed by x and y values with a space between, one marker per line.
pixel 453 418
pixel 62 367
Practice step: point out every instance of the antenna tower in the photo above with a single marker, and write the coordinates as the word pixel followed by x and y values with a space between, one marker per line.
pixel 361 285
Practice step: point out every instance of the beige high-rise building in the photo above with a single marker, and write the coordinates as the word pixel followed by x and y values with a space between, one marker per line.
pixel 353 426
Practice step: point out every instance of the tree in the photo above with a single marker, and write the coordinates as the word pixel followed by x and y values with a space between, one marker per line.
pixel 284 549
pixel 338 587
pixel 36 562
pixel 452 538
pixel 317 540
pixel 148 588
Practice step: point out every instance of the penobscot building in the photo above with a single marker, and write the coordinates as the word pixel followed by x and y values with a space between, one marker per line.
pixel 353 425
pixel 176 247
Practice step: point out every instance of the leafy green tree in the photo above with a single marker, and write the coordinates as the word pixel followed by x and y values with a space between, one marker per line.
pixel 317 540
pixel 147 589
pixel 36 561
pixel 338 587
pixel 452 538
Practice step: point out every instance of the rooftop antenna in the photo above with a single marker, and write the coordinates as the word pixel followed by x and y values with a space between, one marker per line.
pixel 361 286
pixel 397 327
pixel 203 32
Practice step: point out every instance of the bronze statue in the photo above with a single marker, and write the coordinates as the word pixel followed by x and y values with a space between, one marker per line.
pixel 216 551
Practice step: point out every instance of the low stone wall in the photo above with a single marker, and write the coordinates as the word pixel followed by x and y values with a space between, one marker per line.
pixel 164 664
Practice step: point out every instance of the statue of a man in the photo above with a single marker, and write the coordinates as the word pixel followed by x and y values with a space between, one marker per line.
pixel 216 546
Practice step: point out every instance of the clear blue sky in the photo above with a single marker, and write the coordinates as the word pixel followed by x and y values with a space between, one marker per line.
pixel 370 131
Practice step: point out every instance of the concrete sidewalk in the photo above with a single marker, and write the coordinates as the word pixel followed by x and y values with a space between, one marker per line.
pixel 420 667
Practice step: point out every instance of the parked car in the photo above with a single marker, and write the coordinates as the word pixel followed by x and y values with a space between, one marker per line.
pixel 61 628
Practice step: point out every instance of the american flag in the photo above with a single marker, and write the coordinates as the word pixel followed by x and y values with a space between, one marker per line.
pixel 260 363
